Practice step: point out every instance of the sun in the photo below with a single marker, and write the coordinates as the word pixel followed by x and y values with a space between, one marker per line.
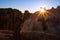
pixel 42 10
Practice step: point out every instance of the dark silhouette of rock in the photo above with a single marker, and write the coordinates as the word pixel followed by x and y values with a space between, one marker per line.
pixel 11 19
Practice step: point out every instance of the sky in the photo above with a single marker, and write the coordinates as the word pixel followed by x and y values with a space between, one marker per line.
pixel 31 5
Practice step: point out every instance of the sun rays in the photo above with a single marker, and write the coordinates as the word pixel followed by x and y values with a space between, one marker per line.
pixel 43 13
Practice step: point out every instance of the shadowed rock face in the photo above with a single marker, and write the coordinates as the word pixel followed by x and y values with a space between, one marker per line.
pixel 10 18
pixel 34 23
pixel 32 28
pixel 53 26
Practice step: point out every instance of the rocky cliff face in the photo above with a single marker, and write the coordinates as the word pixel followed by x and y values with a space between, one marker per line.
pixel 34 23
pixel 33 28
